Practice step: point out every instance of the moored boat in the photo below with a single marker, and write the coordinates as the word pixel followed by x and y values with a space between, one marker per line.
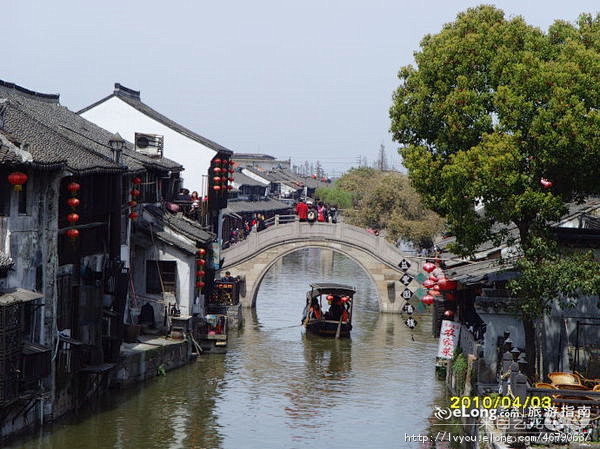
pixel 337 320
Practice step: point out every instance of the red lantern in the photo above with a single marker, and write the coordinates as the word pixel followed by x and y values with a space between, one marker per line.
pixel 427 299
pixel 73 202
pixel 200 284
pixel 329 297
pixel 428 283
pixel 449 314
pixel 201 252
pixel 230 187
pixel 231 179
pixel 200 273
pixel 231 162
pixel 231 170
pixel 72 218
pixel 17 179
pixel 201 262
pixel 73 234
pixel 436 288
pixel 133 215
pixel 447 284
pixel 217 179
pixel 136 181
pixel 545 183
pixel 429 267
pixel 132 203
pixel 217 188
pixel 217 170
pixel 135 193
pixel 433 293
pixel 345 299
pixel 433 278
pixel 217 161
pixel 73 188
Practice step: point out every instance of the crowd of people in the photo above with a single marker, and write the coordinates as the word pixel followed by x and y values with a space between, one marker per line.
pixel 307 211
pixel 257 222
pixel 190 204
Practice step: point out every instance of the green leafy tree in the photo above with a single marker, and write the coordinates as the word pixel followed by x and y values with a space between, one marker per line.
pixel 334 196
pixel 493 110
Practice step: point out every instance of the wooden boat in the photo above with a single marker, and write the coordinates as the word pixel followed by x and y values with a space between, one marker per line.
pixel 337 320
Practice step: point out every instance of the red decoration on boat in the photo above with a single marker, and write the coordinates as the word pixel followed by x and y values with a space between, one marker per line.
pixel 135 193
pixel 545 183
pixel 449 314
pixel 73 218
pixel 136 180
pixel 427 299
pixel 447 284
pixel 429 267
pixel 133 215
pixel 216 188
pixel 73 234
pixel 201 252
pixel 73 188
pixel 73 202
pixel 17 179
pixel 428 283
pixel 201 262
pixel 132 203
pixel 200 284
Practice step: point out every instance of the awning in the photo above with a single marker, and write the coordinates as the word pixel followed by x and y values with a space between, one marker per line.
pixel 17 295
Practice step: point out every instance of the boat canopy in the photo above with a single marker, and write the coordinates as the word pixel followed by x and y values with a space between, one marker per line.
pixel 331 288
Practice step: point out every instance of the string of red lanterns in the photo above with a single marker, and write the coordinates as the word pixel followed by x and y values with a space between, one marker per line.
pixel 439 286
pixel 73 203
pixel 200 262
pixel 222 169
pixel 135 193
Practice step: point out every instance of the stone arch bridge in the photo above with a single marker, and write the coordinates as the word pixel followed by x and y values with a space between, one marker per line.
pixel 252 258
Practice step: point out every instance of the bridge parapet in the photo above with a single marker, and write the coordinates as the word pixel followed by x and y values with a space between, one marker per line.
pixel 254 256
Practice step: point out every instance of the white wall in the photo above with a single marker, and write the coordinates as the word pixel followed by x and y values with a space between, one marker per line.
pixel 117 116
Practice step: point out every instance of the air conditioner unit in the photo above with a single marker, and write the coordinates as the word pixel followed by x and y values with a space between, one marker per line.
pixel 149 144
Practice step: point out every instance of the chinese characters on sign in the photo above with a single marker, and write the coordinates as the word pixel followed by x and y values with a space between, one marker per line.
pixel 448 339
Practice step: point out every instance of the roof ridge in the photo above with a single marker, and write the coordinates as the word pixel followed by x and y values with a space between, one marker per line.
pixel 49 98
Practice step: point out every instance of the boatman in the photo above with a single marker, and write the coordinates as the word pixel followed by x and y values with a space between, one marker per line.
pixel 302 210
pixel 228 277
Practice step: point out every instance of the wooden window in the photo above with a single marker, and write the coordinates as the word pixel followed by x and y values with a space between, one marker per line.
pixel 161 270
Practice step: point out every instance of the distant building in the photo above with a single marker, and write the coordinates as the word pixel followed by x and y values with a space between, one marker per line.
pixel 262 161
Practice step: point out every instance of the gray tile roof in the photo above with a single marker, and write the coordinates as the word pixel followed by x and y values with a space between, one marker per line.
pixel 266 205
pixel 6 263
pixel 244 180
pixel 10 153
pixel 132 98
pixel 57 137
pixel 181 224
pixel 164 236
pixel 288 177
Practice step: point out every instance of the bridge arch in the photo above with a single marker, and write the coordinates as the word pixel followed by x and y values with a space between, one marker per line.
pixel 253 257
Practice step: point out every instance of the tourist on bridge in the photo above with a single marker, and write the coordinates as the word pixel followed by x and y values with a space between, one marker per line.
pixel 321 212
pixel 302 210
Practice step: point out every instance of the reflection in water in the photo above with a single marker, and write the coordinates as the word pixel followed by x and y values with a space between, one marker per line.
pixel 278 387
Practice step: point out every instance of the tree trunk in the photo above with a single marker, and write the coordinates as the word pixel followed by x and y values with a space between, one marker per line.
pixel 530 348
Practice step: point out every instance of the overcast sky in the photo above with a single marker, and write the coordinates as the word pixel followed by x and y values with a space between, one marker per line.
pixel 308 79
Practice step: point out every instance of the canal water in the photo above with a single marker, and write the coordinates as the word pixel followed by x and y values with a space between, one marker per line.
pixel 278 388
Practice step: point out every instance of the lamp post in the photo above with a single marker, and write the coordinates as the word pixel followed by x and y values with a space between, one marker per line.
pixel 117 143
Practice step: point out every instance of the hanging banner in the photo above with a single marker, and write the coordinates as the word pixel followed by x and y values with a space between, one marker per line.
pixel 215 260
pixel 449 334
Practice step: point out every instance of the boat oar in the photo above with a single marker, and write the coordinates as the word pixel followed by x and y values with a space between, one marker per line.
pixel 339 328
